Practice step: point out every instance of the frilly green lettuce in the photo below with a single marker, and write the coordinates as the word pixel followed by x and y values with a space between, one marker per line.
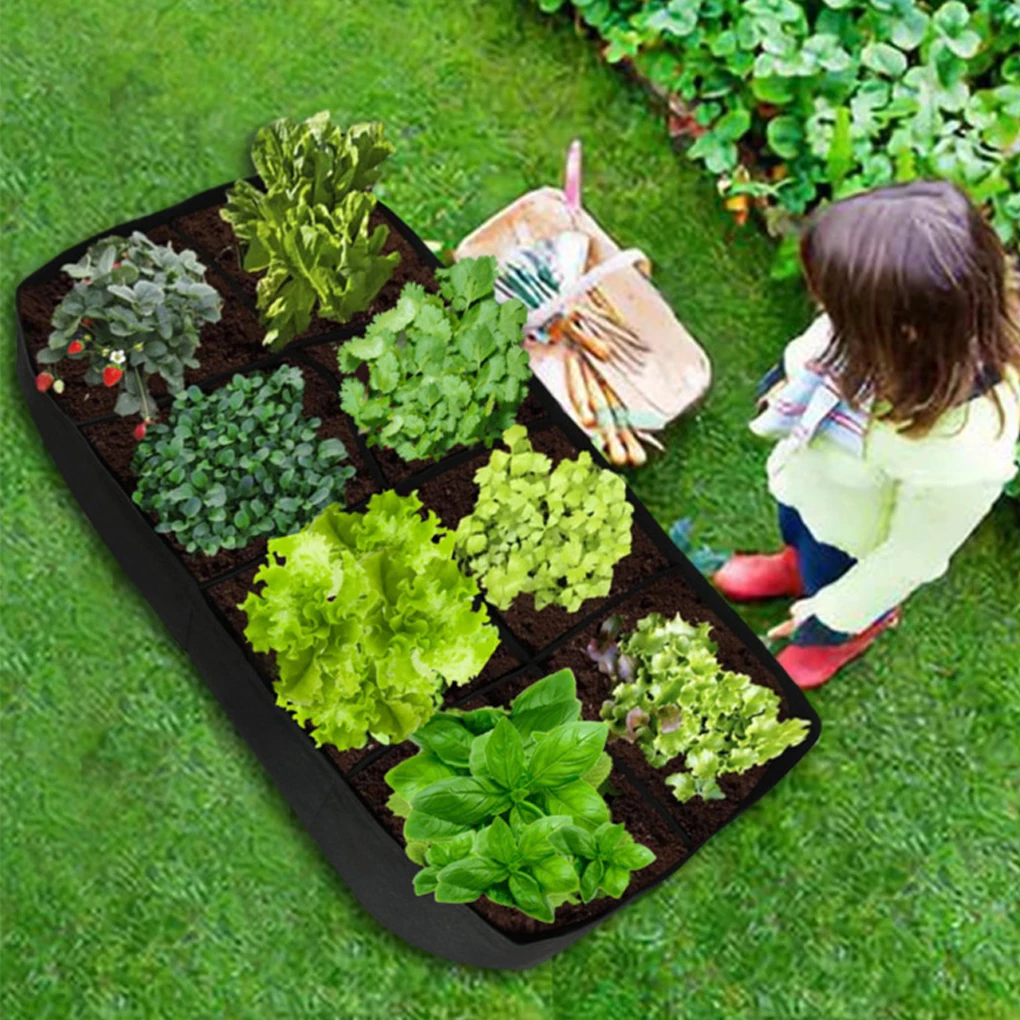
pixel 370 619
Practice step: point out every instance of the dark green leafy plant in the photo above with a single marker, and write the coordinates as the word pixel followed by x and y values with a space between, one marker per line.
pixel 675 700
pixel 237 463
pixel 1013 487
pixel 557 533
pixel 136 310
pixel 837 96
pixel 309 230
pixel 443 370
pixel 370 620
pixel 490 789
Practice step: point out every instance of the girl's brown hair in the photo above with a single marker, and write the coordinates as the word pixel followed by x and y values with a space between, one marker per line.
pixel 921 298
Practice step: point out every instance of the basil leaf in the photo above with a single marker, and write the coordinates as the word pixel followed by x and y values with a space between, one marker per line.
pixel 497 842
pixel 523 814
pixel 464 881
pixel 504 756
pixel 426 881
pixel 579 800
pixel 547 704
pixel 608 837
pixel 414 775
pixel 529 897
pixel 632 856
pixel 447 739
pixel 462 799
pixel 448 851
pixel 555 875
pixel 615 881
pixel 590 881
pixel 575 842
pixel 534 840
pixel 566 753
pixel 481 720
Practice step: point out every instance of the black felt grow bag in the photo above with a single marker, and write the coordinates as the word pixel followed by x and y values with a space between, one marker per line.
pixel 340 796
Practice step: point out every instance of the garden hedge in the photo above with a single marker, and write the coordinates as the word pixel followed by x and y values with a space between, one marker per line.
pixel 792 102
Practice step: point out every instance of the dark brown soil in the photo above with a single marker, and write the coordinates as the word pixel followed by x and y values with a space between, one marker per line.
pixel 115 443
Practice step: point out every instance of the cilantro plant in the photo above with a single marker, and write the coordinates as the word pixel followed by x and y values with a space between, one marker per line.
pixel 506 804
pixel 136 310
pixel 674 700
pixel 240 462
pixel 557 533
pixel 841 95
pixel 370 619
pixel 443 370
pixel 309 230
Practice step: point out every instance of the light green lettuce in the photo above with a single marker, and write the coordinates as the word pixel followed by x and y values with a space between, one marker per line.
pixel 556 532
pixel 676 701
pixel 370 619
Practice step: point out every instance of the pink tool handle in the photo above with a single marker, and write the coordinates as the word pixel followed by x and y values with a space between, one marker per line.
pixel 572 177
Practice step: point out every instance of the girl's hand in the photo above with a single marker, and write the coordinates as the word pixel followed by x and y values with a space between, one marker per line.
pixel 783 630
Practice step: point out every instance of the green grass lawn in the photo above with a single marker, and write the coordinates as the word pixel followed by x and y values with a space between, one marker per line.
pixel 150 870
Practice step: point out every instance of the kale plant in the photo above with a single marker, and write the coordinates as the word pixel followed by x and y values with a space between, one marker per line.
pixel 240 462
pixel 370 619
pixel 443 370
pixel 309 230
pixel 675 700
pixel 135 310
pixel 557 533
pixel 506 804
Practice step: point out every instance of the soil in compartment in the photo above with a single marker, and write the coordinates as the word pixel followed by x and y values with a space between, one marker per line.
pixel 698 818
pixel 115 443
pixel 216 237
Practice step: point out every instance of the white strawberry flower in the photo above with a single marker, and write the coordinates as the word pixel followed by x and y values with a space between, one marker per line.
pixel 118 357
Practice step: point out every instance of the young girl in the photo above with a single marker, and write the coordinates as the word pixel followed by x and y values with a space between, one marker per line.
pixel 897 418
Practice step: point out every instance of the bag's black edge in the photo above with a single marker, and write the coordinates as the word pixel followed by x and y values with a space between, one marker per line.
pixel 302 768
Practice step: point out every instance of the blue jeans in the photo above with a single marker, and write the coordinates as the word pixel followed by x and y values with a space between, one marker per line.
pixel 820 565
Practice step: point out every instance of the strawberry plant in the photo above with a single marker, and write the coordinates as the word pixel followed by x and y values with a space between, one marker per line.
pixel 237 463
pixel 309 231
pixel 555 532
pixel 136 310
pixel 370 620
pixel 674 700
pixel 825 99
pixel 505 803
pixel 443 370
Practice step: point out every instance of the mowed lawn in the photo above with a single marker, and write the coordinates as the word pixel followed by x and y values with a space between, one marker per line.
pixel 150 870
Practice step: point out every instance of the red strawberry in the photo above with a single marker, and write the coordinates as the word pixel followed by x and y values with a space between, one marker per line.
pixel 139 432
pixel 43 381
pixel 112 375
pixel 86 323
pixel 76 347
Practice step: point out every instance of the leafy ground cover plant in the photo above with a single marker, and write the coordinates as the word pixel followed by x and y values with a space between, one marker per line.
pixel 557 533
pixel 505 803
pixel 237 463
pixel 309 230
pixel 443 370
pixel 370 619
pixel 136 310
pixel 674 700
pixel 837 96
